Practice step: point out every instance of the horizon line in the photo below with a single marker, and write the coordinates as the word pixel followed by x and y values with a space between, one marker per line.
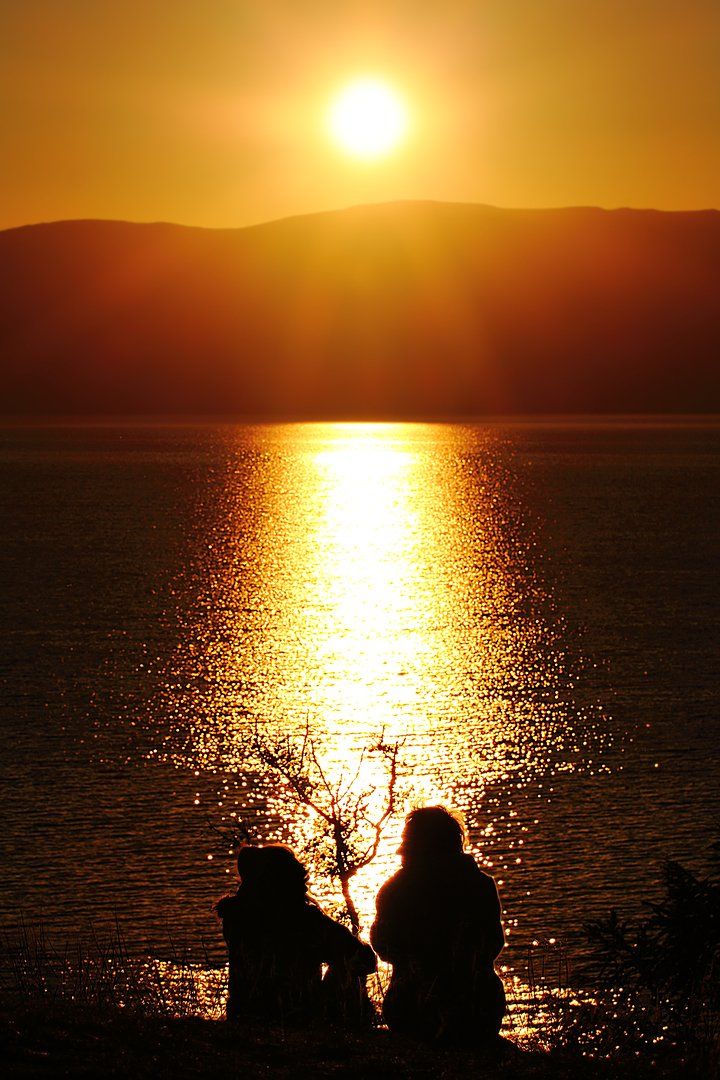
pixel 383 203
pixel 46 420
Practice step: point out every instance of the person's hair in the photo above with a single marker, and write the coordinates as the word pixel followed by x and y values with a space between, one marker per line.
pixel 272 871
pixel 434 832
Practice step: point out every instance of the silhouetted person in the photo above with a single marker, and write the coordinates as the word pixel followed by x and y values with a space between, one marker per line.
pixel 278 939
pixel 438 924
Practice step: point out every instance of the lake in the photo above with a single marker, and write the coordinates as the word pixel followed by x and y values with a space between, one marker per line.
pixel 531 607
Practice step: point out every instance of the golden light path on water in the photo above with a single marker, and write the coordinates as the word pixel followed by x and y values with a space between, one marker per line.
pixel 365 579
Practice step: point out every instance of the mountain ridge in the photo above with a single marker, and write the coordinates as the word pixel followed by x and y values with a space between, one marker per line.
pixel 369 206
pixel 389 310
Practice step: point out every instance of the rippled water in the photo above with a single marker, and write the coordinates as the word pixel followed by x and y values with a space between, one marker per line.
pixel 531 608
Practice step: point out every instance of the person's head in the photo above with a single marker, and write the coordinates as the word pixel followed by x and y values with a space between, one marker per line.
pixel 430 833
pixel 272 872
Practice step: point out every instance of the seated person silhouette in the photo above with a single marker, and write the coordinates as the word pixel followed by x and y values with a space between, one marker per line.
pixel 438 924
pixel 278 940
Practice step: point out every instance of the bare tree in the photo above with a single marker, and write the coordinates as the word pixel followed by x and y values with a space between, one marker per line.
pixel 349 820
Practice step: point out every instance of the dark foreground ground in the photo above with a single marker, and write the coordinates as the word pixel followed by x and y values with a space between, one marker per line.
pixel 87 1044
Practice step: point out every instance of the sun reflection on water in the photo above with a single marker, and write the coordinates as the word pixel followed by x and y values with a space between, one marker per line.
pixel 368 578
pixel 367 621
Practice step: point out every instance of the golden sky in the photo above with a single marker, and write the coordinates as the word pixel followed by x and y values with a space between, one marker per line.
pixel 214 112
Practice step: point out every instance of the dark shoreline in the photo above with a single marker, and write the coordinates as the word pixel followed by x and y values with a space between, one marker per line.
pixel 94 1043
pixel 88 1043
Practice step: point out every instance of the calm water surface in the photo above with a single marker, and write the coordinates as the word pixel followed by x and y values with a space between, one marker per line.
pixel 532 608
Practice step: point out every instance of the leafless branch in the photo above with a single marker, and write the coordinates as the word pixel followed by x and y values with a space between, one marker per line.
pixel 353 833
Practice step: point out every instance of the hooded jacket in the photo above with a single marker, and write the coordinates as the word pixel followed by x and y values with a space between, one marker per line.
pixel 438 923
pixel 277 948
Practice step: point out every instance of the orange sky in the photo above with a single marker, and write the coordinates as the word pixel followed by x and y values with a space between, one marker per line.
pixel 213 113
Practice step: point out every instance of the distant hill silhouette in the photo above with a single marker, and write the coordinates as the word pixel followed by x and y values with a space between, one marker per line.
pixel 393 310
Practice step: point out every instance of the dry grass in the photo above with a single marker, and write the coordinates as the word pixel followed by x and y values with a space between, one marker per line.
pixel 92 1008
pixel 101 973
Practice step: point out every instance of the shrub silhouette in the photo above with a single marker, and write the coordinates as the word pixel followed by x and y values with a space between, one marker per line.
pixel 671 957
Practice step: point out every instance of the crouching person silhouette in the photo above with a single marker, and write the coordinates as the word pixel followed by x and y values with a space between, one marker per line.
pixel 438 924
pixel 278 941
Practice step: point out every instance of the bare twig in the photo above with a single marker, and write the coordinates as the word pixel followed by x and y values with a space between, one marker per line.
pixel 341 808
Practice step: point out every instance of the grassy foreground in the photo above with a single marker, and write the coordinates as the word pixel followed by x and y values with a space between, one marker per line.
pixel 71 1040
pixel 83 1043
pixel 97 1011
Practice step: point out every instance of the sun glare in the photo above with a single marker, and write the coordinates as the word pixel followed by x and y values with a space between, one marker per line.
pixel 368 119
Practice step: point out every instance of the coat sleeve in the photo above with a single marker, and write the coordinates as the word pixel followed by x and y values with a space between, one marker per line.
pixel 339 946
pixel 386 933
pixel 230 912
pixel 491 917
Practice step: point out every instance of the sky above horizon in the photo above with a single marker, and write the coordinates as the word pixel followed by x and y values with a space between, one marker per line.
pixel 215 113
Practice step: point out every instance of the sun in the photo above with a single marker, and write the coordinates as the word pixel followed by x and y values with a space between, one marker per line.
pixel 368 118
